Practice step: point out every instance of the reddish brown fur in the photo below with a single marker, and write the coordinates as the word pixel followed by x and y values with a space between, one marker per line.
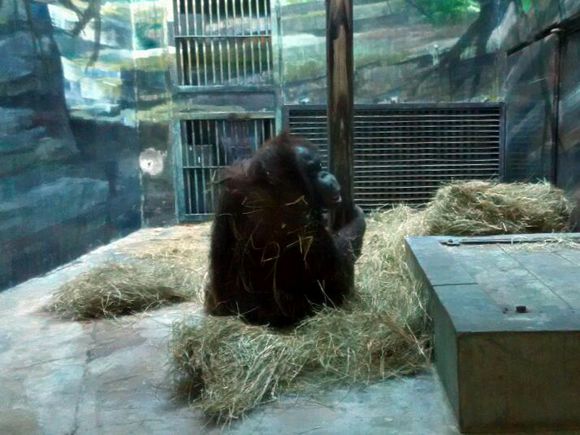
pixel 272 259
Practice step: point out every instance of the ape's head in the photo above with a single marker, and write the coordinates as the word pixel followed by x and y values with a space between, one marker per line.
pixel 292 168
pixel 322 186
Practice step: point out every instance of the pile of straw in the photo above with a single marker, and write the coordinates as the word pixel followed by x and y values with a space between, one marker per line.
pixel 382 332
pixel 483 208
pixel 159 272
pixel 117 289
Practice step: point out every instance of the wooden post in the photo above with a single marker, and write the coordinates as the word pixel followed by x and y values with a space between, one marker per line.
pixel 340 102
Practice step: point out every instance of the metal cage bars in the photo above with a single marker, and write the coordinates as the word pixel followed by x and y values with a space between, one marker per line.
pixel 208 146
pixel 223 42
pixel 404 153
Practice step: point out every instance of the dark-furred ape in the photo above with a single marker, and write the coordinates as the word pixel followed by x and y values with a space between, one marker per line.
pixel 273 260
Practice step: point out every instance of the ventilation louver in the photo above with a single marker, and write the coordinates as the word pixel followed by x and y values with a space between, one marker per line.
pixel 402 154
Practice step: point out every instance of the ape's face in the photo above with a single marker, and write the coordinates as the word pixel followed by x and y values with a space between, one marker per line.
pixel 322 186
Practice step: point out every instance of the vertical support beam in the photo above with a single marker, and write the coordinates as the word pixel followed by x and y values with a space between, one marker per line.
pixel 339 52
pixel 556 104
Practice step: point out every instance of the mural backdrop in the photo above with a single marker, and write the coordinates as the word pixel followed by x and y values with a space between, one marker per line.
pixel 405 50
pixel 69 135
pixel 87 100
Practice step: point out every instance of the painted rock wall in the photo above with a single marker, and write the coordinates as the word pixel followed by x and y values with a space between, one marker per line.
pixel 404 51
pixel 68 149
pixel 542 93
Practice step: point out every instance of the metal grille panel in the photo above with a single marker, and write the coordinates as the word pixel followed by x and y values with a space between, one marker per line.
pixel 209 145
pixel 403 154
pixel 223 42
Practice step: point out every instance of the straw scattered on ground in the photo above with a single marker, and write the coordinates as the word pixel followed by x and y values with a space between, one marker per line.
pixel 382 331
pixel 482 208
pixel 116 289
pixel 157 272
pixel 187 248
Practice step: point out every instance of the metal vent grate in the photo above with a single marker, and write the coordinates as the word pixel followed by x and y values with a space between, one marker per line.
pixel 208 145
pixel 402 153
pixel 223 42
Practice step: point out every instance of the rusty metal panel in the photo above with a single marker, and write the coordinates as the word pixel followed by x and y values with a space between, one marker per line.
pixel 531 87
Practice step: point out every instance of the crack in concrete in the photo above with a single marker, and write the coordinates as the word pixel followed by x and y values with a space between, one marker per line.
pixel 83 383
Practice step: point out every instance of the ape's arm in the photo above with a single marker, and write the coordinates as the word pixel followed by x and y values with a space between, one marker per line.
pixel 221 257
pixel 347 241
pixel 349 237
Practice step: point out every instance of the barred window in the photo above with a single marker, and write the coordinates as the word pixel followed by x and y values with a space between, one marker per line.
pixel 223 42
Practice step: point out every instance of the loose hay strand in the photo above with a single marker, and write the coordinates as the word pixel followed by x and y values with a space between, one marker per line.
pixel 258 362
pixel 157 272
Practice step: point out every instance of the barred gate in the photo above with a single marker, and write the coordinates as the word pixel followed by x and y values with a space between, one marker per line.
pixel 223 47
pixel 208 146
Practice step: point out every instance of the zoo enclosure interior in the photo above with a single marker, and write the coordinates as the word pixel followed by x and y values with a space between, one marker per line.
pixel 85 95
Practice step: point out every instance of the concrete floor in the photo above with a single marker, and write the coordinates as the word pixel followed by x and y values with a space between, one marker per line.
pixel 109 377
